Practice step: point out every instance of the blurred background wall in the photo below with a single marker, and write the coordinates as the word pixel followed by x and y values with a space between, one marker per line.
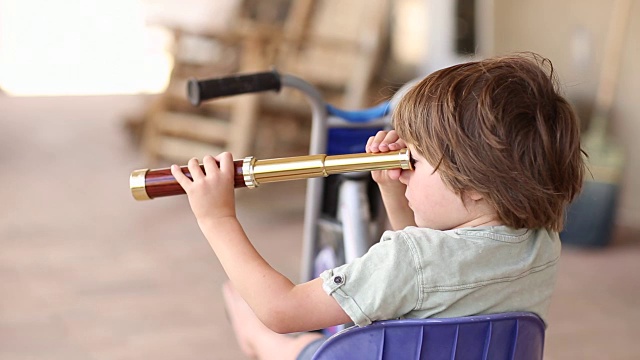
pixel 573 35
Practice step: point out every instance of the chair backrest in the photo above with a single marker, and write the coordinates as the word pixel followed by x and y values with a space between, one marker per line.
pixel 513 336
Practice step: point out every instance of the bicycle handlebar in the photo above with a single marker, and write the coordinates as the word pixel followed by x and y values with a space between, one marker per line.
pixel 363 115
pixel 202 90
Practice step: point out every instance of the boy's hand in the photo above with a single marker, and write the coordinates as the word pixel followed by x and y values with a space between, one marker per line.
pixel 383 142
pixel 391 189
pixel 211 193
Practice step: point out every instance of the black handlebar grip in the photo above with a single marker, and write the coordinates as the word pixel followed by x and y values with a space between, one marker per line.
pixel 201 90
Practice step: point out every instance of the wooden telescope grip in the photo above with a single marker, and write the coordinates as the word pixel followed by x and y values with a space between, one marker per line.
pixel 147 184
pixel 160 182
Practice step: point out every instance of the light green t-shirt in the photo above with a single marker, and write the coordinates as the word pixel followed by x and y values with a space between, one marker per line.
pixel 421 273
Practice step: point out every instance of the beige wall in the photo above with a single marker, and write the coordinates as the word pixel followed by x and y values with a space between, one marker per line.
pixel 559 30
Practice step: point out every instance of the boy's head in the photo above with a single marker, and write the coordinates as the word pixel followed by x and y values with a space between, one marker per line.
pixel 500 128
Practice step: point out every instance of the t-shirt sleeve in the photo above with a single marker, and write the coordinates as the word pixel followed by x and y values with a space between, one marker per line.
pixel 380 285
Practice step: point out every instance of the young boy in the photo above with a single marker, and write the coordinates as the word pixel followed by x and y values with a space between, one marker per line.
pixel 497 157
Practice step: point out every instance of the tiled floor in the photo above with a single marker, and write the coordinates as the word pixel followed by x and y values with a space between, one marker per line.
pixel 86 272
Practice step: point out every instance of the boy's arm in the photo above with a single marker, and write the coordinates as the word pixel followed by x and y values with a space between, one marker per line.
pixel 278 303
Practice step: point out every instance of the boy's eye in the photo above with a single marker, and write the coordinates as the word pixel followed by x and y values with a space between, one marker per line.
pixel 412 160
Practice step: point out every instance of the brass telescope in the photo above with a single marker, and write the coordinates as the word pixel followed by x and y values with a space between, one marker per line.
pixel 147 184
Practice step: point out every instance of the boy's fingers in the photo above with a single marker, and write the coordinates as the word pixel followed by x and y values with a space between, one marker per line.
pixel 384 141
pixel 380 136
pixel 367 147
pixel 226 162
pixel 394 174
pixel 181 178
pixel 194 169
pixel 397 145
pixel 374 143
pixel 390 137
pixel 210 164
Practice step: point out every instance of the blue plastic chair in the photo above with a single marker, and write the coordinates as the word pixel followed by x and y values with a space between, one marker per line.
pixel 513 336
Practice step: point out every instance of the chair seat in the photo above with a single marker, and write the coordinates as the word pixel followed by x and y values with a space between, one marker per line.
pixel 512 336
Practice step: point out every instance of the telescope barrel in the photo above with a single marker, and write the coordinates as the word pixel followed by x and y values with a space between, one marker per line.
pixel 148 184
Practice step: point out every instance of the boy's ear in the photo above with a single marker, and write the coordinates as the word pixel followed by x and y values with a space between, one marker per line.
pixel 474 195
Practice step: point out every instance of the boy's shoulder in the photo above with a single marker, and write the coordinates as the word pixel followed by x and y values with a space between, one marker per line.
pixel 473 237
pixel 472 257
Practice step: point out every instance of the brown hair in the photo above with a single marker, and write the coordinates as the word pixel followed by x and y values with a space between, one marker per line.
pixel 499 127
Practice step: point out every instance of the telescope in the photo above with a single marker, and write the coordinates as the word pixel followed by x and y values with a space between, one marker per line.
pixel 249 172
